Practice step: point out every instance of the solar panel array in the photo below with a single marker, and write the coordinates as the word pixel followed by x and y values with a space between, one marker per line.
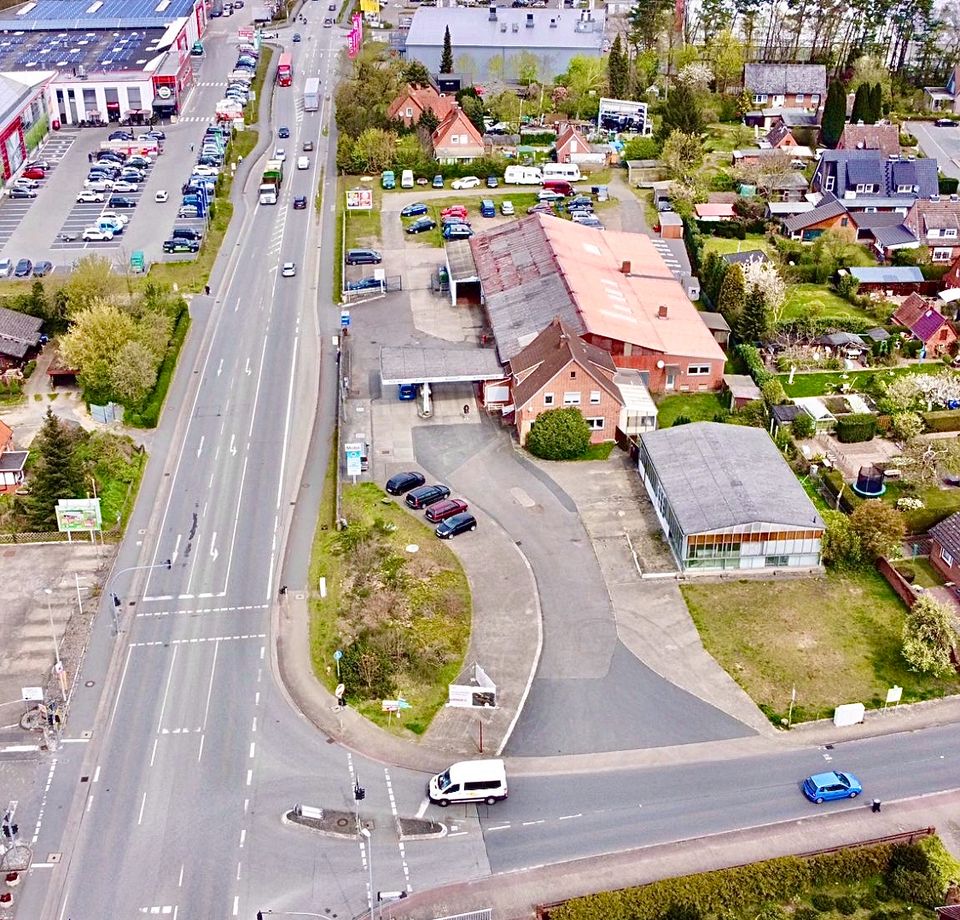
pixel 46 12
pixel 87 51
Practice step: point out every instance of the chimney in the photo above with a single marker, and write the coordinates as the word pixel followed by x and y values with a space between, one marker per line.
pixel 625 267
pixel 493 12
pixel 662 311
pixel 529 20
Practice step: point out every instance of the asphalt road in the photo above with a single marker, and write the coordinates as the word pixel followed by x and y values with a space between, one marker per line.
pixel 942 143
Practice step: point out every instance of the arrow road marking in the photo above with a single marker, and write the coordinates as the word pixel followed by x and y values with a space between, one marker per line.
pixel 233 446
pixel 200 448
pixel 214 552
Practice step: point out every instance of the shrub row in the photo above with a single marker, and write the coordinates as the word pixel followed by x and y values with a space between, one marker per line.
pixel 733 891
pixel 854 428
pixel 149 415
pixel 835 485
pixel 750 356
pixel 945 420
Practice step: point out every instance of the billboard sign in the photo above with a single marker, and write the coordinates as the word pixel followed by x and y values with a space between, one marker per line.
pixel 78 514
pixel 354 453
pixel 370 6
pixel 356 35
pixel 623 115
pixel 359 199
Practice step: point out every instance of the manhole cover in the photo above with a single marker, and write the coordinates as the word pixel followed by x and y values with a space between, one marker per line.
pixel 90 683
pixel 342 822
pixel 54 857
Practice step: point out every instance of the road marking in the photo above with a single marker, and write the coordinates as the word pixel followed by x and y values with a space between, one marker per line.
pixel 200 448
pixel 253 749
pixel 200 610
pixel 214 552
pixel 236 904
pixel 200 751
pixel 236 523
pixel 249 777
pixel 458 834
pixel 238 871
pixel 197 640
pixel 153 755
pixel 529 823
pixel 499 827
pixel 163 706
pixel 180 880
pixel 123 676
pixel 569 817
pixel 400 844
pixel 220 368
pixel 243 836
pixel 253 728
pixel 96 774
pixel 143 803
pixel 213 670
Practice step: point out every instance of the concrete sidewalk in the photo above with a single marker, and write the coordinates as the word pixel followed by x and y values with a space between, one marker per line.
pixel 516 894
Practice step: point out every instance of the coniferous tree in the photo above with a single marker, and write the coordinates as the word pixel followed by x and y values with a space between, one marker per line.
pixel 876 103
pixel 730 301
pixel 446 57
pixel 56 473
pixel 834 114
pixel 618 70
pixel 861 105
pixel 681 112
pixel 754 321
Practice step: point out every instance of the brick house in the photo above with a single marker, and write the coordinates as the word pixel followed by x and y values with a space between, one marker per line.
pixel 927 324
pixel 572 147
pixel 410 105
pixel 456 139
pixel 793 86
pixel 945 547
pixel 952 278
pixel 558 369
pixel 830 214
pixel 936 225
pixel 885 138
pixel 780 137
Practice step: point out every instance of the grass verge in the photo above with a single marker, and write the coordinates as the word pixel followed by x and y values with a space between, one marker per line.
pixel 836 639
pixel 251 114
pixel 401 619
pixel 598 451
pixel 698 407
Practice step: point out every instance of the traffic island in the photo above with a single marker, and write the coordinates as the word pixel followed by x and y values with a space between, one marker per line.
pixel 332 823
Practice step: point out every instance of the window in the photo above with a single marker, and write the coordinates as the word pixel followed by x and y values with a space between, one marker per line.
pixel 799 99
pixel 409 111
pixel 482 784
pixel 759 98
pixel 595 424
pixel 454 138
pixel 904 189
pixel 866 187
pixel 945 556
pixel 548 399
pixel 571 399
pixel 594 397
pixel 828 184
pixel 698 370
pixel 942 254
pixel 573 375
pixel 844 221
pixel 950 233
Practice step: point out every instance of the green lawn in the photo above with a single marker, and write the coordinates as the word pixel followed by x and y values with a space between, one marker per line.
pixel 819 300
pixel 723 138
pixel 816 384
pixel 836 639
pixel 698 407
pixel 363 227
pixel 724 246
pixel 926 576
pixel 937 504
pixel 387 609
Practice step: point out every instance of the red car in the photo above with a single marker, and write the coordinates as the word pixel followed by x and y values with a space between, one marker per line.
pixel 444 509
pixel 456 210
pixel 35 172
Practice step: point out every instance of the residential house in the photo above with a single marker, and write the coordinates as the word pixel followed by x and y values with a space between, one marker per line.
pixel 12 461
pixel 726 499
pixel 945 547
pixel 492 43
pixel 779 137
pixel 885 138
pixel 951 280
pixel 944 98
pixel 612 288
pixel 572 147
pixel 19 337
pixel 888 280
pixel 456 139
pixel 410 105
pixel 829 214
pixel 935 223
pixel 794 86
pixel 559 369
pixel 867 179
pixel 927 324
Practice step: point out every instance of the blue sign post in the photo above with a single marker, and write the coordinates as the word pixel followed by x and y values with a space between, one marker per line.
pixel 344 319
pixel 337 655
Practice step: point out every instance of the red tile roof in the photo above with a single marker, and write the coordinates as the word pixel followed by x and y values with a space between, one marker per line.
pixel 421 98
pixel 919 317
pixel 456 122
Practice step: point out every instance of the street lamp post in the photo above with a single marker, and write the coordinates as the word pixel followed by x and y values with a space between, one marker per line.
pixel 115 606
pixel 58 666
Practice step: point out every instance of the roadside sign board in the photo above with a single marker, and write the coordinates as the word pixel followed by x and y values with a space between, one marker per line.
pixel 359 199
pixel 78 514
pixel 344 319
pixel 354 454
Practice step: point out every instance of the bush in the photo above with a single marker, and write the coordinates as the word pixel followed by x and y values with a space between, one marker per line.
pixel 803 426
pixel 868 901
pixel 681 420
pixel 723 229
pixel 750 356
pixel 852 429
pixel 947 420
pixel 28 369
pixel 948 185
pixel 822 903
pixel 916 887
pixel 773 392
pixel 559 434
pixel 882 894
pixel 846 905
pixel 847 287
pixel 804 913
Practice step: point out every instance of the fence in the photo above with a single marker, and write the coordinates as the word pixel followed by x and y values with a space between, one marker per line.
pixel 900 585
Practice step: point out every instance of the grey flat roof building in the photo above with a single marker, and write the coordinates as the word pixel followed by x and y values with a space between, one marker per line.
pixel 727 499
pixel 479 35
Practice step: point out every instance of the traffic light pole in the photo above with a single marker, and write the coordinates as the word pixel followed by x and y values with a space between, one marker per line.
pixel 116 602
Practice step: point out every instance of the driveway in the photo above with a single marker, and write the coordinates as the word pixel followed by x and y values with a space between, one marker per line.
pixel 942 143
pixel 591 694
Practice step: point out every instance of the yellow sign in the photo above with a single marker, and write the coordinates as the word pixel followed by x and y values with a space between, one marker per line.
pixel 370 6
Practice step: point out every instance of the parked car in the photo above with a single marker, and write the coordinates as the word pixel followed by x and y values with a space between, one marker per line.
pixel 96 235
pixel 506 208
pixel 437 182
pixel 296 36
pixel 945 123
pixel 178 244
pixel 402 482
pixel 121 136
pixel 452 526
pixel 542 208
pixel 549 195
pixel 365 284
pixel 201 170
pixel 6 270
pixel 664 205
pixel 580 201
pixel 492 182
pixel 363 257
pixel 121 201
pixel 40 164
pixel 187 211
pixel 407 392
pixel 87 196
pixel 414 210
pixel 35 172
pixel 126 188
pixel 161 196
pixel 289 269
pixel 18 192
pixel 187 233
pixel 457 232
pixel 466 182
pixel 41 269
pixel 115 216
pixel 26 183
pixel 328 23
pixel 444 509
pixel 300 203
pixel 422 225
pixel 822 787
pixel 455 210
pixel 283 133
pixel 23 269
pixel 423 496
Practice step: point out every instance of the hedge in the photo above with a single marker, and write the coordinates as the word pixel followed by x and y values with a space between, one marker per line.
pixel 149 415
pixel 730 892
pixel 854 428
pixel 750 356
pixel 836 485
pixel 945 420
pixel 693 239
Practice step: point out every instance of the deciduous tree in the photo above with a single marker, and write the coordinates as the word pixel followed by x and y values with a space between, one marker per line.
pixel 92 279
pixel 374 149
pixel 726 55
pixel 682 154
pixel 880 528
pixel 929 637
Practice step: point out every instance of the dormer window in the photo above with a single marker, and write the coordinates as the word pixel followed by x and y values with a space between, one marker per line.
pixel 950 233
pixel 904 189
pixel 828 184
pixel 867 187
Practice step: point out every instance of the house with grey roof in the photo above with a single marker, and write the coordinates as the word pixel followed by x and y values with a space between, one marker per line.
pixel 793 86
pixel 495 41
pixel 726 499
pixel 19 337
pixel 866 178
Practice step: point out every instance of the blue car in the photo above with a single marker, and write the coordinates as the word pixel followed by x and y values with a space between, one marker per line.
pixel 438 181
pixel 406 391
pixel 822 787
pixel 452 526
pixel 414 210
pixel 365 284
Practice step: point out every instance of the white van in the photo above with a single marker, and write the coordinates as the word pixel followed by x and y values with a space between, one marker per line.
pixel 469 781
pixel 568 171
pixel 406 179
pixel 522 175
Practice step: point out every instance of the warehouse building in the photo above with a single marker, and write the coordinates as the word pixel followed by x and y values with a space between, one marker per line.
pixel 726 499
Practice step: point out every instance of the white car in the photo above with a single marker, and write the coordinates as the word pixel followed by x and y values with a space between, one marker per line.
pixel 161 196
pixel 201 170
pixel 303 162
pixel 6 268
pixel 89 196
pixel 116 217
pixel 289 269
pixel 466 182
pixel 98 185
pixel 96 235
pixel 280 154
pixel 506 208
pixel 125 188
pixel 26 183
